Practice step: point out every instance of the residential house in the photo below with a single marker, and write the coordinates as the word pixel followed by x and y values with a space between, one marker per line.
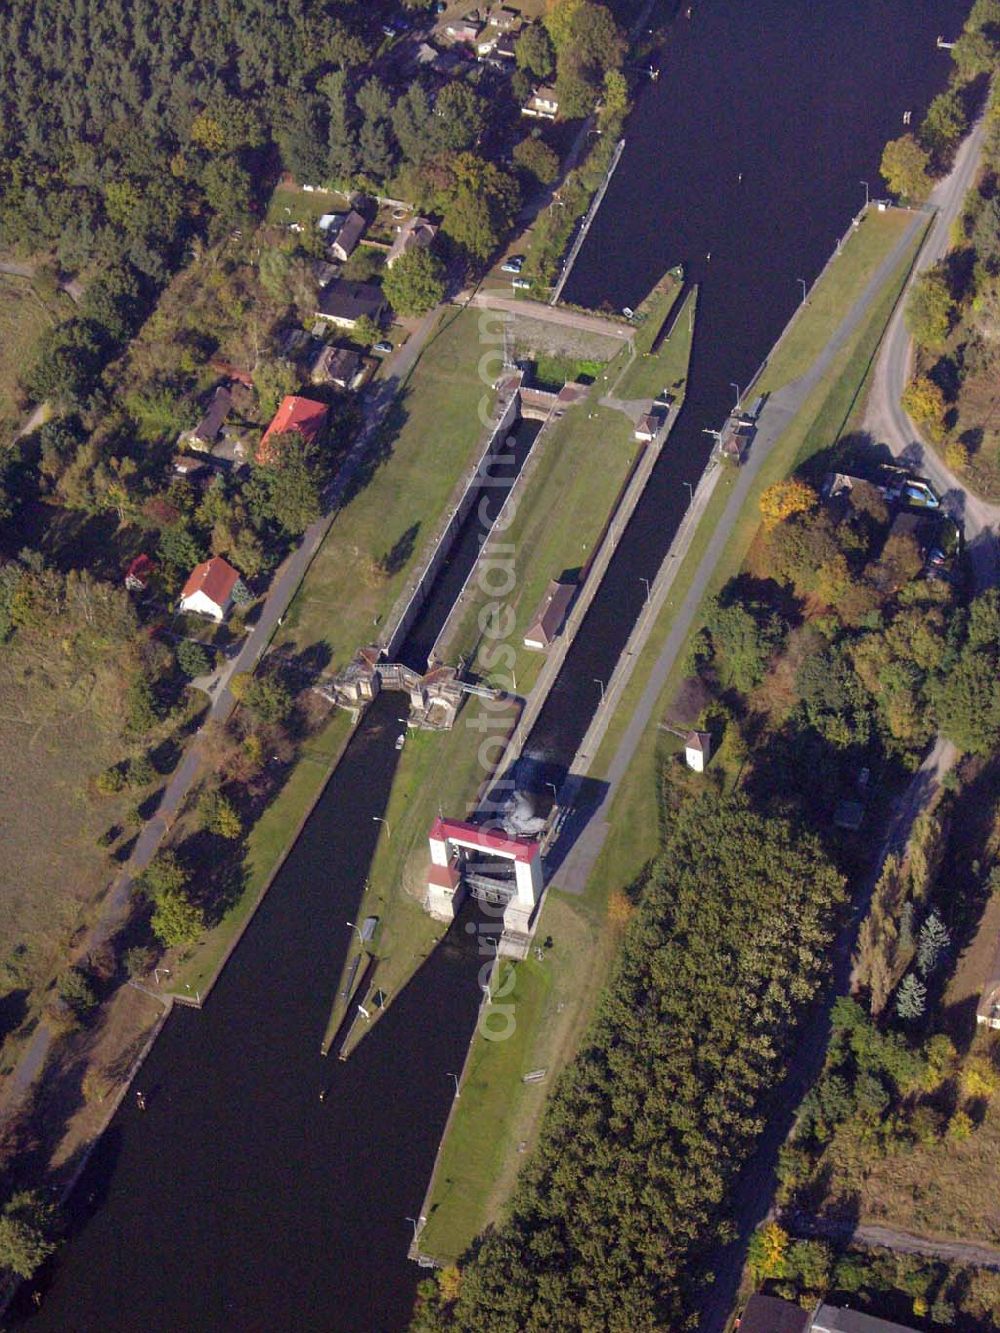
pixel 550 615
pixel 302 415
pixel 209 428
pixel 330 223
pixel 212 588
pixel 504 18
pixel 346 240
pixel 504 49
pixel 415 234
pixel 138 573
pixel 988 1009
pixel 542 104
pixel 343 303
pixel 337 366
pixel 769 1314
pixel 464 30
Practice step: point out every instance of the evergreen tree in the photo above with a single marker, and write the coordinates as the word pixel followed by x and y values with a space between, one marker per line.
pixel 932 944
pixel 911 998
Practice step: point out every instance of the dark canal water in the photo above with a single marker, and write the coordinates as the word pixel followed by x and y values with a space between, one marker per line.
pixel 238 1201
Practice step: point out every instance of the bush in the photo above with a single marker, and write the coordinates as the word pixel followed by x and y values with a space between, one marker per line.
pixel 76 992
pixel 192 658
pixel 112 780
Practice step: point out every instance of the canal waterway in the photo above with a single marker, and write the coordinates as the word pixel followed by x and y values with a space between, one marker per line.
pixel 238 1201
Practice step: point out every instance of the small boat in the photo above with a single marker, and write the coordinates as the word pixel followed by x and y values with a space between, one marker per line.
pixel 400 741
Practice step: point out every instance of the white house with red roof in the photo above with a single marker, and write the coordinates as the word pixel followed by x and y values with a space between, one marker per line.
pixel 458 848
pixel 211 589
pixel 303 415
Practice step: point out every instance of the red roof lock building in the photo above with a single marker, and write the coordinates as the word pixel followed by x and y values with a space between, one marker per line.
pixel 303 415
pixel 211 589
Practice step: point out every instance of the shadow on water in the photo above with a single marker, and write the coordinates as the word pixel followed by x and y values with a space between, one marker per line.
pixel 238 1200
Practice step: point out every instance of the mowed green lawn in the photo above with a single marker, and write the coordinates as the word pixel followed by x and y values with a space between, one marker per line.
pixel 430 439
pixel 840 286
pixel 584 461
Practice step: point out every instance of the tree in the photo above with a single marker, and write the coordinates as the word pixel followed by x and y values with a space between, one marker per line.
pixel 956 455
pixel 24 1243
pixel 767 1251
pixel 412 124
pixel 930 309
pixel 286 489
pixel 536 158
pixel 415 283
pixel 266 697
pixel 533 51
pixel 911 998
pixel 273 381
pixel 932 944
pixel 176 920
pixel 480 204
pixel 785 498
pixel 365 331
pixel 924 402
pixel 180 548
pixel 905 169
pixel 744 639
pixel 76 992
pixel 192 658
pixel 219 816
pixel 974 54
pixel 459 117
pixel 945 122
pixel 967 702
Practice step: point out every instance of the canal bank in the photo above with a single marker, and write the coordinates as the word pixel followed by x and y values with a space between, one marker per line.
pixel 233 1206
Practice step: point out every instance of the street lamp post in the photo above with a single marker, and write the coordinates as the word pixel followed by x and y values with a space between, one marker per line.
pixel 865 184
pixel 416 1223
pixel 690 491
pixel 645 581
pixel 379 820
pixel 455 1077
pixel 361 938
pixel 555 794
pixel 805 289
pixel 600 685
pixel 734 385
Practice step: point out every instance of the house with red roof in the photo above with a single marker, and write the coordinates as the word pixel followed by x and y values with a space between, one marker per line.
pixel 303 415
pixel 139 573
pixel 212 588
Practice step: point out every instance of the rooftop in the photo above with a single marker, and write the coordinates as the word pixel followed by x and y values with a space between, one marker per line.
pixel 478 835
pixel 216 578
pixel 303 415
pixel 350 300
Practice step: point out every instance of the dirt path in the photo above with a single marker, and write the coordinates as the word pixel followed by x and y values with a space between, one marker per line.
pixel 952 1251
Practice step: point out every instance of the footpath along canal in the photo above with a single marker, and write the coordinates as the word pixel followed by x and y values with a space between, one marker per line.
pixel 238 1200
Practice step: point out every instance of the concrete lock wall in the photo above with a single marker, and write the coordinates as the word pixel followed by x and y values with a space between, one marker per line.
pixel 399 631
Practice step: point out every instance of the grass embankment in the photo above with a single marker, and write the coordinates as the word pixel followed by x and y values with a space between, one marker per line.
pixel 829 301
pixel 505 1114
pixel 27 309
pixel 428 442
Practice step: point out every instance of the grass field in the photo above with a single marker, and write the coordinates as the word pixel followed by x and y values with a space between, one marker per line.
pixel 456 1214
pixel 25 314
pixel 291 204
pixel 829 301
pixel 428 443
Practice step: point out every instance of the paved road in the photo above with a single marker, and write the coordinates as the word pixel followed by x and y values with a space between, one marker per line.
pixel 569 319
pixel 779 411
pixel 117 905
pixel 885 419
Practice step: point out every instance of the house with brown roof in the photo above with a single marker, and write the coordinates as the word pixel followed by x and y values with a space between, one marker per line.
pixel 208 429
pixel 550 615
pixel 211 589
pixel 346 240
pixel 344 303
pixel 415 234
pixel 338 366
pixel 988 1009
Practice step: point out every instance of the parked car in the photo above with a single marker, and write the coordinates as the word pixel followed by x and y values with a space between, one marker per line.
pixel 384 348
pixel 522 284
pixel 513 265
